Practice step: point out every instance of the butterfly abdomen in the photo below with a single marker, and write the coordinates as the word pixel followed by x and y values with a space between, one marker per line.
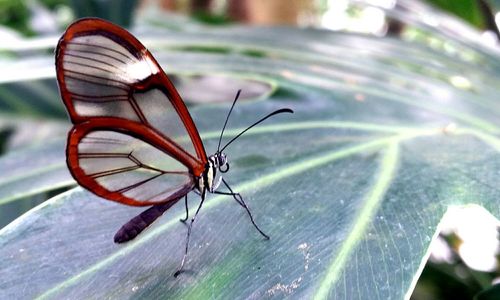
pixel 137 224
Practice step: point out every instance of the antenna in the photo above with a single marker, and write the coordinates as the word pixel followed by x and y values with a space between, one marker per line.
pixel 279 111
pixel 227 118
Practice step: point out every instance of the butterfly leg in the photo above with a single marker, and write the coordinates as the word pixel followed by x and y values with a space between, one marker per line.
pixel 179 271
pixel 187 210
pixel 238 198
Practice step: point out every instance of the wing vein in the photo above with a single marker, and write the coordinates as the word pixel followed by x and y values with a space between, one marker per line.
pixel 96 53
pixel 138 111
pixel 126 85
pixel 99 97
pixel 137 184
pixel 113 171
pixel 102 155
pixel 92 66
pixel 102 47
pixel 81 99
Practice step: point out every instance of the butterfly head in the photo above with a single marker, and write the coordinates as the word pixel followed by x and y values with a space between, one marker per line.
pixel 217 163
pixel 222 163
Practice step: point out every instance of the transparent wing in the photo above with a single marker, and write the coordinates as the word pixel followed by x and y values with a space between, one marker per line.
pixel 120 167
pixel 103 71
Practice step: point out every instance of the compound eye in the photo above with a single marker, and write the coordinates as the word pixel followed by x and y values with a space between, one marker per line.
pixel 221 159
pixel 224 168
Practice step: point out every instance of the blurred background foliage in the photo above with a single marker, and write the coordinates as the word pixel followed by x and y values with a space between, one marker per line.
pixel 18 14
pixel 447 274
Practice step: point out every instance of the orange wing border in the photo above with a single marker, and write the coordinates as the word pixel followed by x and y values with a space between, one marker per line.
pixel 135 130
pixel 95 26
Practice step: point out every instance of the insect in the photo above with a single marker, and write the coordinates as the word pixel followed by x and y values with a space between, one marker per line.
pixel 133 140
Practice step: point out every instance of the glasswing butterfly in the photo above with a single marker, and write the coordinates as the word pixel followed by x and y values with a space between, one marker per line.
pixel 133 140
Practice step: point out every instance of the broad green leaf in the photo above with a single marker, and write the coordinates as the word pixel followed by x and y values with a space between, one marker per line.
pixel 386 136
pixel 32 173
pixel 116 11
pixel 489 294
pixel 467 10
pixel 33 98
pixel 33 170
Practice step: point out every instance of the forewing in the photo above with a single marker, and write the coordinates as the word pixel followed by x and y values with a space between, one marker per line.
pixel 121 167
pixel 103 71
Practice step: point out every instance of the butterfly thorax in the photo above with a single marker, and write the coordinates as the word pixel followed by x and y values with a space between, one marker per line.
pixel 211 177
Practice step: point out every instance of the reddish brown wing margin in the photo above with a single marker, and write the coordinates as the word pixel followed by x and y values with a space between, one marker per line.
pixel 110 81
pixel 138 131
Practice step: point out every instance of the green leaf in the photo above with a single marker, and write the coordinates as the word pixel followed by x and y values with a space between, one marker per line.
pixel 489 294
pixel 32 98
pixel 116 11
pixel 45 171
pixel 386 136
pixel 468 10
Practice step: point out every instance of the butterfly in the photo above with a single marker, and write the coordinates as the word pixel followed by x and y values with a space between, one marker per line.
pixel 133 140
